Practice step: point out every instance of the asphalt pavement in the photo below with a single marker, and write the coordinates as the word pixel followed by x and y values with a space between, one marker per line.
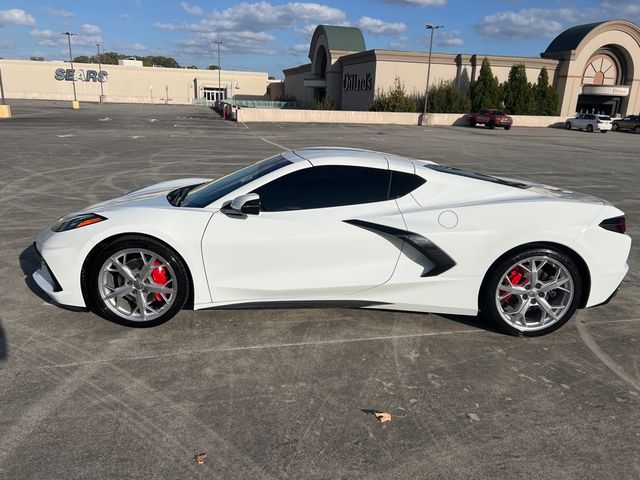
pixel 280 394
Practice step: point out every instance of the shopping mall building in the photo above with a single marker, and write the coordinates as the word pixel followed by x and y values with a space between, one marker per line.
pixel 592 67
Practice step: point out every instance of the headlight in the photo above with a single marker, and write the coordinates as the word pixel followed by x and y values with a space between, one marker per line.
pixel 76 221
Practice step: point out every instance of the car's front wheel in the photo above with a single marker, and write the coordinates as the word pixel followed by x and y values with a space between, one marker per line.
pixel 589 128
pixel 507 127
pixel 637 129
pixel 567 125
pixel 491 125
pixel 137 282
pixel 531 293
pixel 615 127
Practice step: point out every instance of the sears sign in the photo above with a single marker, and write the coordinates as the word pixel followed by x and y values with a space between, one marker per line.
pixel 71 74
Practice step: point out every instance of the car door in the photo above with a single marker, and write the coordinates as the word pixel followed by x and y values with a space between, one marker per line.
pixel 300 246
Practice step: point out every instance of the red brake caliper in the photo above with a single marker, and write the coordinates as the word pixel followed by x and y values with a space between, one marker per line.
pixel 515 277
pixel 159 276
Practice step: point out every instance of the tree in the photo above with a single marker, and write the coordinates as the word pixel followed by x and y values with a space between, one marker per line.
pixel 82 59
pixel 396 100
pixel 518 92
pixel 445 97
pixel 546 98
pixel 192 67
pixel 36 59
pixel 213 67
pixel 485 91
pixel 271 77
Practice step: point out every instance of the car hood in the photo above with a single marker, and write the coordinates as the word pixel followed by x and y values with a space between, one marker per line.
pixel 151 195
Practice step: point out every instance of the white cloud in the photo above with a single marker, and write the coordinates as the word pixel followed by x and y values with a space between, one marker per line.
pixel 376 26
pixel 418 3
pixel 449 39
pixel 16 16
pixel 243 27
pixel 57 12
pixel 124 16
pixel 138 46
pixel 259 16
pixel 48 38
pixel 192 9
pixel 526 23
pixel 91 29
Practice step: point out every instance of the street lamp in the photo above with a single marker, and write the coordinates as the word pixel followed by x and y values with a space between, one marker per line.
pixel 100 76
pixel 219 68
pixel 431 27
pixel 73 79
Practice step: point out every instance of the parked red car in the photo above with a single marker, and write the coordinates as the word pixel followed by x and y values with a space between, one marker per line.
pixel 490 118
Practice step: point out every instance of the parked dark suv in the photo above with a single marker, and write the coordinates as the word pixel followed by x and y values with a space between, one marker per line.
pixel 630 122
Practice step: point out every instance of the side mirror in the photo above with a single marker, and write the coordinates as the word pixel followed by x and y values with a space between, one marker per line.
pixel 248 204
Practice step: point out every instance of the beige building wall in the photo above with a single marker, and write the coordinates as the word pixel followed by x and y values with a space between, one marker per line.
pixel 36 80
pixel 294 83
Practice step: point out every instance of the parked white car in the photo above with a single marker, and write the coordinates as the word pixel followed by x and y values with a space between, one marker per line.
pixel 335 226
pixel 589 122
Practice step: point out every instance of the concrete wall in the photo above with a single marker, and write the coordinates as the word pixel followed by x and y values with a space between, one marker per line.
pixel 248 115
pixel 325 116
pixel 36 80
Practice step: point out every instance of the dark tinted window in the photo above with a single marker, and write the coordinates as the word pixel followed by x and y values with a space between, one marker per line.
pixel 403 183
pixel 327 186
pixel 207 193
pixel 476 176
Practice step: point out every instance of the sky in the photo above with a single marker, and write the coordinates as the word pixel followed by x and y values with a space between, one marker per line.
pixel 271 35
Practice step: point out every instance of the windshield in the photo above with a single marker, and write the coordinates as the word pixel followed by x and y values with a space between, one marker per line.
pixel 209 192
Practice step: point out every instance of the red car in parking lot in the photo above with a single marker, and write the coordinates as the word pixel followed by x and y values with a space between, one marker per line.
pixel 490 118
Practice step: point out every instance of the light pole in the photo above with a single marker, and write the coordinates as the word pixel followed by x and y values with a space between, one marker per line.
pixel 219 68
pixel 100 76
pixel 431 27
pixel 73 79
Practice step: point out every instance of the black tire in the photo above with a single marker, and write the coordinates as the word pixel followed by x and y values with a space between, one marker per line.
pixel 637 129
pixel 603 131
pixel 491 125
pixel 487 301
pixel 472 123
pixel 507 127
pixel 589 128
pixel 567 125
pixel 615 127
pixel 91 280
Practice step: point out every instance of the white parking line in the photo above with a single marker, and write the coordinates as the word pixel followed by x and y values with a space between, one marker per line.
pixel 274 143
pixel 268 346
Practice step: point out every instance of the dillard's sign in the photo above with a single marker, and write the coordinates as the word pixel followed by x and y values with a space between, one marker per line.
pixel 353 82
pixel 70 74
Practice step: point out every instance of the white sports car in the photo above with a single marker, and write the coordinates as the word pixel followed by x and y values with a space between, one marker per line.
pixel 340 227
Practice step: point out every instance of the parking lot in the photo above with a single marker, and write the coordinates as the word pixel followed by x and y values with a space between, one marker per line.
pixel 285 393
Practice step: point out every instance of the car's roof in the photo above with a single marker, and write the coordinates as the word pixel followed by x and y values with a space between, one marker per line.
pixel 349 156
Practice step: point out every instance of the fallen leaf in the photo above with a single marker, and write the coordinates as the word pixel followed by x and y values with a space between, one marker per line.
pixel 200 458
pixel 383 416
pixel 473 416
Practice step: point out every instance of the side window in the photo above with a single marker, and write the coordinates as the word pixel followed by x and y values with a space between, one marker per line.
pixel 403 183
pixel 325 186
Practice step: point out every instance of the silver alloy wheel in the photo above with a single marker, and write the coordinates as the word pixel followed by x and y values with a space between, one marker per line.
pixel 534 293
pixel 129 284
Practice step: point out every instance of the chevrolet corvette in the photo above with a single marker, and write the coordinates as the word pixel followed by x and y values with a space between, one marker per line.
pixel 340 227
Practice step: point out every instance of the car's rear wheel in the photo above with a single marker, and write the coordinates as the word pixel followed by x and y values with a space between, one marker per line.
pixel 491 125
pixel 472 123
pixel 137 282
pixel 567 125
pixel 637 129
pixel 531 293
pixel 615 127
pixel 589 128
